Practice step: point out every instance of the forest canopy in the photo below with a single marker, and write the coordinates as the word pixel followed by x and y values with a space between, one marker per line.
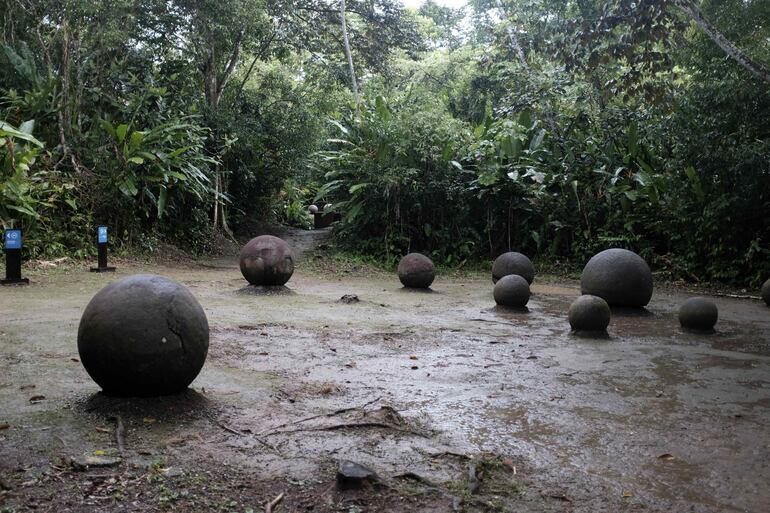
pixel 555 128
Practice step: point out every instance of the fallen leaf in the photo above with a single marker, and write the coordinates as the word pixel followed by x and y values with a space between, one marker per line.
pixel 103 430
pixel 99 452
pixel 533 357
pixel 4 425
pixel 351 365
pixel 36 398
pixel 414 367
pixel 627 494
pixel 264 353
pixel 666 457
pixel 413 357
pixel 74 360
pixel 26 387
pixel 149 420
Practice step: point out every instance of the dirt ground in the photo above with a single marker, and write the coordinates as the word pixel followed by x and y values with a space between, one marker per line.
pixel 455 404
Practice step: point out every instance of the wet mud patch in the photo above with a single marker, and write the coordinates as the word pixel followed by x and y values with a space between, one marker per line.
pixel 265 291
pixel 443 396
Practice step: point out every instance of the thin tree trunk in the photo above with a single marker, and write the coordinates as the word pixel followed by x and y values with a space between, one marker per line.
pixel 728 47
pixel 353 81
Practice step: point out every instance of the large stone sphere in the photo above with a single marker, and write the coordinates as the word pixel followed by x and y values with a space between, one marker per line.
pixel 766 292
pixel 416 271
pixel 589 313
pixel 511 290
pixel 267 260
pixel 513 263
pixel 313 209
pixel 698 313
pixel 619 276
pixel 143 335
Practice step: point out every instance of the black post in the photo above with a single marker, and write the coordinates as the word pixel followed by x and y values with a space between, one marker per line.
pixel 101 246
pixel 13 244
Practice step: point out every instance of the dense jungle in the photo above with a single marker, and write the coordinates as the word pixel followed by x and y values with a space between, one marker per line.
pixel 555 128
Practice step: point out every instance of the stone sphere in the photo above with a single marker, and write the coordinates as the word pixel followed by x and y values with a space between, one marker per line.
pixel 511 290
pixel 619 276
pixel 267 260
pixel 589 313
pixel 416 271
pixel 513 263
pixel 766 292
pixel 143 335
pixel 698 313
pixel 313 209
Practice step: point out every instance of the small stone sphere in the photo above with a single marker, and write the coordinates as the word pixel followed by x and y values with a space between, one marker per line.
pixel 512 290
pixel 619 276
pixel 143 335
pixel 267 260
pixel 698 313
pixel 313 209
pixel 589 313
pixel 416 271
pixel 766 292
pixel 513 263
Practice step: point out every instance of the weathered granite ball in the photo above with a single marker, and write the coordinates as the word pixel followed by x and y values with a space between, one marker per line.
pixel 143 335
pixel 313 209
pixel 766 292
pixel 511 290
pixel 267 260
pixel 416 271
pixel 513 263
pixel 698 313
pixel 619 276
pixel 589 313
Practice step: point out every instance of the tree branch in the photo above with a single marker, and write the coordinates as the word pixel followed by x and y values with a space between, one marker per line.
pixel 727 46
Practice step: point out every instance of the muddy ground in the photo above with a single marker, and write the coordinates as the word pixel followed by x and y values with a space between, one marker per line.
pixel 455 404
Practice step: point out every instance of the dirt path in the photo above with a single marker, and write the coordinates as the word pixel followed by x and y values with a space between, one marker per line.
pixel 455 404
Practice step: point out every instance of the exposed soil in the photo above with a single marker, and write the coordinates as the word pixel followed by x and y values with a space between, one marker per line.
pixel 455 404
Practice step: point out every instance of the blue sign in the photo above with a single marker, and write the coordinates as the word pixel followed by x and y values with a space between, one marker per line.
pixel 102 234
pixel 12 239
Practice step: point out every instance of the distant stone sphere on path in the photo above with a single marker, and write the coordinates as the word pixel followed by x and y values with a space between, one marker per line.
pixel 416 271
pixel 589 313
pixel 313 209
pixel 619 276
pixel 513 263
pixel 698 313
pixel 143 335
pixel 512 290
pixel 267 260
pixel 766 292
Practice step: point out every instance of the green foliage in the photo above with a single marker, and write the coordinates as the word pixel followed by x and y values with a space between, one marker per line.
pixel 292 209
pixel 158 164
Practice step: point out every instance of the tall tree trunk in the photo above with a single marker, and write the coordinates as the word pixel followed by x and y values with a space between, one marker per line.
pixel 728 47
pixel 214 85
pixel 353 81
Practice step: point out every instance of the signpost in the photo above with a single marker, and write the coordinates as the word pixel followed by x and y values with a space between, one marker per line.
pixel 101 244
pixel 13 243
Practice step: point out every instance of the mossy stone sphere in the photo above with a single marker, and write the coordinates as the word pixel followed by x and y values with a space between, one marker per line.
pixel 589 313
pixel 267 260
pixel 766 292
pixel 513 263
pixel 619 276
pixel 699 314
pixel 416 271
pixel 143 335
pixel 511 290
